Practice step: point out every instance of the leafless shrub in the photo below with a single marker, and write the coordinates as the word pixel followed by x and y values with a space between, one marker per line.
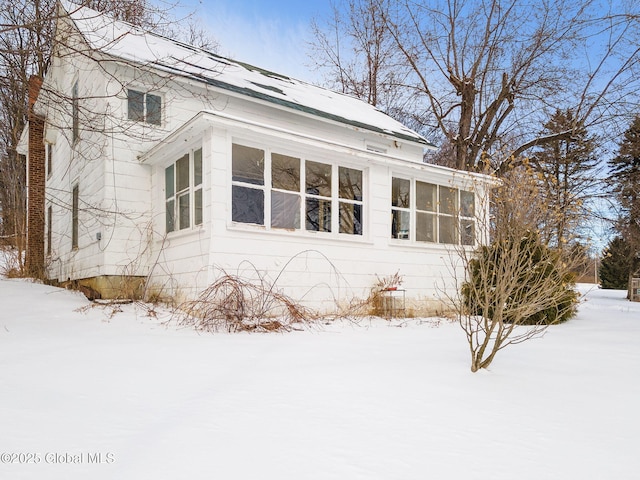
pixel 11 262
pixel 377 302
pixel 516 286
pixel 235 304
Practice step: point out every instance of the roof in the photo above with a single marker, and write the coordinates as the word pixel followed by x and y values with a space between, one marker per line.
pixel 132 44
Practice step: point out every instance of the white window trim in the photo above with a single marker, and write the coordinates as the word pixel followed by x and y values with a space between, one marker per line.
pixel 145 91
pixel 413 211
pixel 191 191
pixel 267 188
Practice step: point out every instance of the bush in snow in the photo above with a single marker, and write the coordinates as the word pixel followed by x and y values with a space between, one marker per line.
pixel 505 279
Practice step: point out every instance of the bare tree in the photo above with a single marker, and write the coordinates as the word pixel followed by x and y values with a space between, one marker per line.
pixel 489 72
pixel 24 52
pixel 357 53
pixel 25 47
pixel 516 286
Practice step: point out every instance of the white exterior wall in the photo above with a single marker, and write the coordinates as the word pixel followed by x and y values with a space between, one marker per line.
pixel 315 266
pixel 114 187
pixel 79 163
pixel 119 167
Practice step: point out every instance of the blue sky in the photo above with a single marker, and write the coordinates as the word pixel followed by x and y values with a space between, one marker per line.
pixel 269 33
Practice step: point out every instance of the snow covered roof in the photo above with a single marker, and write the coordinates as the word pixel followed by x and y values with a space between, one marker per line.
pixel 124 41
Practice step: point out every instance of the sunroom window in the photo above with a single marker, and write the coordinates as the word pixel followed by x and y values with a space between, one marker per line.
pixel 400 208
pixel 285 191
pixel 350 195
pixel 468 218
pixel 426 212
pixel 281 191
pixel 440 214
pixel 183 191
pixel 318 196
pixel 247 205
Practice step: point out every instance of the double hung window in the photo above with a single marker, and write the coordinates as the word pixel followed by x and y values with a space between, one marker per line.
pixel 318 188
pixel 49 228
pixel 183 192
pixel 400 208
pixel 248 189
pixel 75 113
pixel 285 191
pixel 75 209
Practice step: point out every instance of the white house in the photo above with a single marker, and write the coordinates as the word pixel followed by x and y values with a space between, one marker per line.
pixel 170 164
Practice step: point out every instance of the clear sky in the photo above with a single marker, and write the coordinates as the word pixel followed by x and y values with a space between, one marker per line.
pixel 272 34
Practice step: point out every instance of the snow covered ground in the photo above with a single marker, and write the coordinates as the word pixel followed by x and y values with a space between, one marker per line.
pixel 85 396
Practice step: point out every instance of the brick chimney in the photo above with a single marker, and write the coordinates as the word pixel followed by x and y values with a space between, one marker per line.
pixel 35 185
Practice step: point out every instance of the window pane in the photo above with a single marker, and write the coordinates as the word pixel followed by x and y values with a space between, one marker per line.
pixel 182 173
pixel 285 210
pixel 135 105
pixel 49 159
pixel 351 218
pixel 468 232
pixel 285 172
pixel 170 216
pixel 75 107
pixel 197 167
pixel 400 224
pixel 248 165
pixel 75 204
pixel 448 232
pixel 183 210
pixel 247 205
pixel 169 182
pixel 49 228
pixel 318 215
pixel 448 201
pixel 197 207
pixel 426 195
pixel 468 201
pixel 349 183
pixel 425 227
pixel 318 179
pixel 400 189
pixel 154 109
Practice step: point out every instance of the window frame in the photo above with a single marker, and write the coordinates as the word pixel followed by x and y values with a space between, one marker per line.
pixel 191 194
pixel 49 229
pixel 75 112
pixel 75 221
pixel 440 214
pixel 49 155
pixel 331 206
pixel 143 116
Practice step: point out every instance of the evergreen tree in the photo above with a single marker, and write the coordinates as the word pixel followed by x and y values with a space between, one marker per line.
pixel 616 265
pixel 625 185
pixel 530 263
pixel 565 169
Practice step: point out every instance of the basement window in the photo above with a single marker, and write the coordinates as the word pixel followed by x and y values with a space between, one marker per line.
pixel 144 107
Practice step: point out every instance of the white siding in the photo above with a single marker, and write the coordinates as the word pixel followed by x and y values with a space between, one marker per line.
pixel 119 167
pixel 320 268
